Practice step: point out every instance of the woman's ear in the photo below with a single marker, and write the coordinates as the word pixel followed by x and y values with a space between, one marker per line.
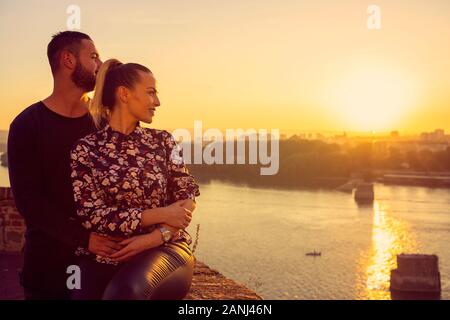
pixel 123 94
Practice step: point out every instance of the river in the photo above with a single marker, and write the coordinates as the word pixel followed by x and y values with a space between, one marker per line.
pixel 259 237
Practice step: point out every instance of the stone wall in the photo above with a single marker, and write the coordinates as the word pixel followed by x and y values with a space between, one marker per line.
pixel 418 264
pixel 12 225
pixel 416 273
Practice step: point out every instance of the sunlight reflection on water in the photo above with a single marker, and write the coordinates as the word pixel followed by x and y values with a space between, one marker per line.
pixel 390 237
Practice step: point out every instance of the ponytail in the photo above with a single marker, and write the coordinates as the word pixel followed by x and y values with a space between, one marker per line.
pixel 97 109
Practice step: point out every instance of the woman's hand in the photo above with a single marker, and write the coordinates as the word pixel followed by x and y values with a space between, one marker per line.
pixel 177 215
pixel 137 244
pixel 188 204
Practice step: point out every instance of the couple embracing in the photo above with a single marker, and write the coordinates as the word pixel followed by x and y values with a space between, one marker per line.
pixel 97 189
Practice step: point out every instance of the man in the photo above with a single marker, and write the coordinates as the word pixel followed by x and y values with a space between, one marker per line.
pixel 39 142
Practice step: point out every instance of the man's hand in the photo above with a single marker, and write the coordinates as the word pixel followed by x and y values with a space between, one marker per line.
pixel 135 245
pixel 102 245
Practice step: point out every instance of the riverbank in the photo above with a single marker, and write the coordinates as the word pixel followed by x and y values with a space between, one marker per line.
pixel 415 178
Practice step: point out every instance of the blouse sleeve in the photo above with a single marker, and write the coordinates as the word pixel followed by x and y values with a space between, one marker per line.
pixel 91 207
pixel 181 184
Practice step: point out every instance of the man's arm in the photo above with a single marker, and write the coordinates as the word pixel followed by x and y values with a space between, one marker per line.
pixel 26 184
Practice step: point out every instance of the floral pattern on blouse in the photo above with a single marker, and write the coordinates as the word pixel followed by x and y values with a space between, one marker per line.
pixel 116 176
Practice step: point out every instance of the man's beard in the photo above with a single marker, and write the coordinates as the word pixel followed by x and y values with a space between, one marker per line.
pixel 82 78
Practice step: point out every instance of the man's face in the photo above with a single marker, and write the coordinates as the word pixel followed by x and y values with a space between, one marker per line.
pixel 88 63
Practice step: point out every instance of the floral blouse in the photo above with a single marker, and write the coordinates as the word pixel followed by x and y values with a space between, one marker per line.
pixel 116 176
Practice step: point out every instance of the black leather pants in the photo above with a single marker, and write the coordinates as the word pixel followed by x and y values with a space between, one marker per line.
pixel 160 273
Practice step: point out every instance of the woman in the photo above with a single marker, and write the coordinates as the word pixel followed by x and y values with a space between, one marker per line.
pixel 130 182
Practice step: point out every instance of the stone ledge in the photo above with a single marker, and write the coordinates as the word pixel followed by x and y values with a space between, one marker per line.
pixel 207 284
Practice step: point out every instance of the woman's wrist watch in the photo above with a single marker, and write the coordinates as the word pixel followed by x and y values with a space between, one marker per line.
pixel 166 234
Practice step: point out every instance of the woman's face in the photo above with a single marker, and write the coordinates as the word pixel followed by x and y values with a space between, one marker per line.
pixel 143 98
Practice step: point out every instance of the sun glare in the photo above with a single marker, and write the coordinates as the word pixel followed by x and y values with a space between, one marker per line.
pixel 373 99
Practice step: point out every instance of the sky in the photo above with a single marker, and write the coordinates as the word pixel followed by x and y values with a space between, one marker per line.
pixel 291 65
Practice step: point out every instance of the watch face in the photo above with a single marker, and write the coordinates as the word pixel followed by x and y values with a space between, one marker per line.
pixel 166 235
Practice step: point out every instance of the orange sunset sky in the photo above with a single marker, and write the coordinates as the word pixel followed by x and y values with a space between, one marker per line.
pixel 292 65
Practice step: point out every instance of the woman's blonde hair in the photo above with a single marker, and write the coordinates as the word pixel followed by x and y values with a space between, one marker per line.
pixel 110 76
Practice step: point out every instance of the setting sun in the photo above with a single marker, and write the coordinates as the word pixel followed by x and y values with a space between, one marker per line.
pixel 373 98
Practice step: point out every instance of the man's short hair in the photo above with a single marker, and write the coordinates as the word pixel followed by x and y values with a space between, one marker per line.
pixel 66 40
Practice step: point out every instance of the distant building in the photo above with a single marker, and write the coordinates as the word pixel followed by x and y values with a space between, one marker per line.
pixel 395 134
pixel 440 133
pixel 320 136
pixel 437 136
pixel 3 140
pixel 381 147
pixel 3 137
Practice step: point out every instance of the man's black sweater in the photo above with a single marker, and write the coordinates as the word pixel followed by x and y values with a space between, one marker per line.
pixel 39 143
